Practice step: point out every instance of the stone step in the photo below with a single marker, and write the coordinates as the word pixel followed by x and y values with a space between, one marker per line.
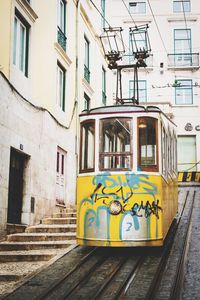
pixel 27 237
pixel 64 215
pixel 15 228
pixel 49 221
pixel 13 256
pixel 10 277
pixel 52 228
pixel 11 246
pixel 68 210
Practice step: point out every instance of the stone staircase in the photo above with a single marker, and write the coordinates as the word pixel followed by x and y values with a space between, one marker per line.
pixel 25 252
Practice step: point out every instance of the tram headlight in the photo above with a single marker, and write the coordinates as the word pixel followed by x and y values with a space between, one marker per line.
pixel 115 207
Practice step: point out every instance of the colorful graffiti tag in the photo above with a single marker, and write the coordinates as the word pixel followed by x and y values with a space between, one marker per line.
pixel 119 207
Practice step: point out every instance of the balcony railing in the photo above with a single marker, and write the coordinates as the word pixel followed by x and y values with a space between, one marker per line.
pixel 104 98
pixel 86 74
pixel 62 40
pixel 183 60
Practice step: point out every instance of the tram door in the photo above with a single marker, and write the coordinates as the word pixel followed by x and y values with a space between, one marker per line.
pixel 187 153
pixel 15 193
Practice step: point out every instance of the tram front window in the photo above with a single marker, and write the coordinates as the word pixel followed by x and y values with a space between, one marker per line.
pixel 87 147
pixel 147 144
pixel 115 145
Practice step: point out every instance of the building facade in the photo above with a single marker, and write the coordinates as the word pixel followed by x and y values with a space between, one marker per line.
pixel 171 79
pixel 51 68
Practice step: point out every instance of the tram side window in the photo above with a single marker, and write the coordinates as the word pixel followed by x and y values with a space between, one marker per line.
pixel 175 154
pixel 115 146
pixel 148 154
pixel 164 151
pixel 87 147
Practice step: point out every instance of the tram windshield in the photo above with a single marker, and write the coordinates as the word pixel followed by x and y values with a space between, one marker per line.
pixel 115 145
pixel 87 149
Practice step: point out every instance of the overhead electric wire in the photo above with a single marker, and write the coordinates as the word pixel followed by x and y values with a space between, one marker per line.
pixel 157 26
pixel 129 13
pixel 108 23
pixel 184 15
pixel 100 13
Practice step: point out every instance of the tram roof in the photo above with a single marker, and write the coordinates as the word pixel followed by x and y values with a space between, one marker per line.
pixel 121 108
pixel 126 108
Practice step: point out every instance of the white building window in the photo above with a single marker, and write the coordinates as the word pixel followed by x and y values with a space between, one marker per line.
pixel 181 6
pixel 137 7
pixel 142 89
pixel 62 40
pixel 183 92
pixel 20 43
pixel 61 77
pixel 86 102
pixel 187 158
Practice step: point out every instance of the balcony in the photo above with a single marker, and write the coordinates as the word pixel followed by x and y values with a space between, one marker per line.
pixel 183 60
pixel 86 74
pixel 62 40
pixel 104 98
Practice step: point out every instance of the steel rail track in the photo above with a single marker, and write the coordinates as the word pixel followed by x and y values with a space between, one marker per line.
pixel 178 284
pixel 165 256
pixel 57 283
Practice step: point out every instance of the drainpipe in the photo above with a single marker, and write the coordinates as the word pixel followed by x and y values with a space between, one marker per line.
pixel 77 81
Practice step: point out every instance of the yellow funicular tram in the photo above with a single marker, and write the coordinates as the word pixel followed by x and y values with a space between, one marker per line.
pixel 127 185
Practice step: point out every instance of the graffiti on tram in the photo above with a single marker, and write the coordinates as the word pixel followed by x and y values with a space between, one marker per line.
pixel 120 205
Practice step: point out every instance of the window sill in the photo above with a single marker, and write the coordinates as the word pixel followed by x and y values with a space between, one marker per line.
pixel 88 87
pixel 27 10
pixel 184 105
pixel 63 54
pixel 183 67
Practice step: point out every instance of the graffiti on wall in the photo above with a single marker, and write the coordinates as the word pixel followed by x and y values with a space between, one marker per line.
pixel 120 207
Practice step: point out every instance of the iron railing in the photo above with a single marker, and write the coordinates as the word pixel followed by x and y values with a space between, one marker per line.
pixel 86 74
pixel 62 40
pixel 183 60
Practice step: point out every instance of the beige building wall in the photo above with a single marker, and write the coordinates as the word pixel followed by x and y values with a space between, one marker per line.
pixel 5 33
pixel 32 122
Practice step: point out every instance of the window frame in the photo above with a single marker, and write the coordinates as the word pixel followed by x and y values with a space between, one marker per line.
pixel 18 49
pixel 181 9
pixel 86 170
pixel 61 21
pixel 152 167
pixel 131 90
pixel 111 153
pixel 104 86
pixel 87 101
pixel 139 4
pixel 177 88
pixel 61 100
pixel 103 12
pixel 86 59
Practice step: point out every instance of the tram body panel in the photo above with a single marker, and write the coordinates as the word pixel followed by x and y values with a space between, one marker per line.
pixel 145 212
pixel 127 185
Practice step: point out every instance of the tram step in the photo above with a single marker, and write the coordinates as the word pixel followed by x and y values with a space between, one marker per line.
pixel 64 215
pixel 52 228
pixel 11 246
pixel 27 237
pixel 49 221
